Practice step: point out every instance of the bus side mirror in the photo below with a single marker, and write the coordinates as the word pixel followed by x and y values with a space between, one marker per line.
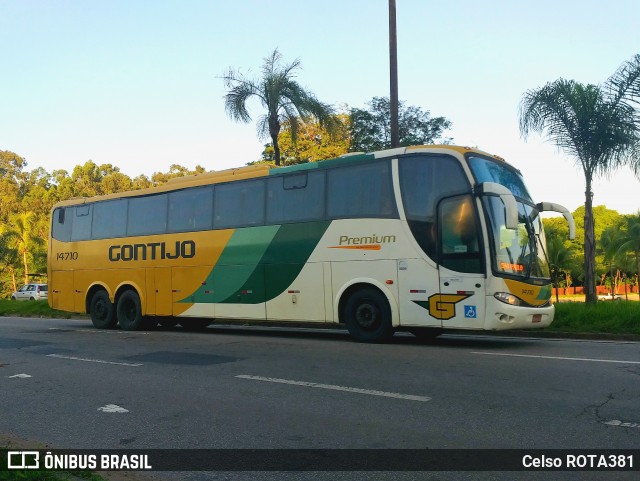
pixel 550 207
pixel 509 201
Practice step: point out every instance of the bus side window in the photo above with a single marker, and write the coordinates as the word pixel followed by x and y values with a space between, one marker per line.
pixel 190 210
pixel 109 219
pixel 364 190
pixel 239 204
pixel 81 229
pixel 147 215
pixel 295 198
pixel 62 222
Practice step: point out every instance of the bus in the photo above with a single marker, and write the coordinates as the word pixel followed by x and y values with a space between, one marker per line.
pixel 421 238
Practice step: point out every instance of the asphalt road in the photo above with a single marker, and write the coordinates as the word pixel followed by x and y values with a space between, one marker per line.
pixel 67 385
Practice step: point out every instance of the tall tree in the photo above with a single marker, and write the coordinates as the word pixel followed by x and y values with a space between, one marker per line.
pixel 282 96
pixel 370 128
pixel 11 166
pixel 21 234
pixel 598 126
pixel 559 258
pixel 8 259
pixel 313 143
pixel 610 242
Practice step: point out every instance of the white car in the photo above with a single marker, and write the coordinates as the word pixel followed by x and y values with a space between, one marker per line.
pixel 609 297
pixel 31 292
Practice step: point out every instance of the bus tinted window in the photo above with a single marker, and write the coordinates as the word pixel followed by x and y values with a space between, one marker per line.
pixel 109 219
pixel 62 221
pixel 81 229
pixel 363 190
pixel 147 215
pixel 191 209
pixel 239 204
pixel 293 198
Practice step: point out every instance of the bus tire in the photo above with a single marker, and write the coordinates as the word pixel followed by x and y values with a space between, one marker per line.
pixel 101 311
pixel 129 311
pixel 368 316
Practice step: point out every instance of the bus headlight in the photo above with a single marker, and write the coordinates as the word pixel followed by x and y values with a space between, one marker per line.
pixel 507 298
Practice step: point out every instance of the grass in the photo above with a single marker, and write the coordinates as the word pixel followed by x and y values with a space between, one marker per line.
pixel 610 317
pixel 29 309
pixel 41 475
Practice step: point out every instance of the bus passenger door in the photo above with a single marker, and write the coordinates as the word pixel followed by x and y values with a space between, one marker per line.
pixel 461 267
pixel 417 283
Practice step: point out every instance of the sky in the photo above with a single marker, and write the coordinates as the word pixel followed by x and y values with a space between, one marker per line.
pixel 137 84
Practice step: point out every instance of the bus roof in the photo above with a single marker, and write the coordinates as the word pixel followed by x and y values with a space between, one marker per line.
pixel 263 170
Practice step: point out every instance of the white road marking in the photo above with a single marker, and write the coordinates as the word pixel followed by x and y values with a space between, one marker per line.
pixel 615 422
pixel 21 376
pixel 58 356
pixel 556 357
pixel 113 408
pixel 395 395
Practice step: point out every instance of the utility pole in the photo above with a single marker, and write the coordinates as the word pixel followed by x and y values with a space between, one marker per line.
pixel 393 67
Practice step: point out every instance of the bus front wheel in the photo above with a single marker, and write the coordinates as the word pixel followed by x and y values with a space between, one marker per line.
pixel 101 311
pixel 129 311
pixel 368 316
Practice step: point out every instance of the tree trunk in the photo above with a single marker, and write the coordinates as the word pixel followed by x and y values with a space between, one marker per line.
pixel 274 131
pixel 276 149
pixel 589 247
pixel 26 267
pixel 13 278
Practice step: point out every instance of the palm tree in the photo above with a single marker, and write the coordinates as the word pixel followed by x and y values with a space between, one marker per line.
pixel 598 126
pixel 8 258
pixel 21 235
pixel 282 97
pixel 630 242
pixel 559 259
pixel 610 241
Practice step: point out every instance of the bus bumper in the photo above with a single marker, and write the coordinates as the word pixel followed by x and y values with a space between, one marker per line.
pixel 501 316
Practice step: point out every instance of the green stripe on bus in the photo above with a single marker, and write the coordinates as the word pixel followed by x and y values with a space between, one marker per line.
pixel 282 262
pixel 259 263
pixel 236 264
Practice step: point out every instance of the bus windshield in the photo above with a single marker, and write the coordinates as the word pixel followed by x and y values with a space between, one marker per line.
pixel 519 252
pixel 487 170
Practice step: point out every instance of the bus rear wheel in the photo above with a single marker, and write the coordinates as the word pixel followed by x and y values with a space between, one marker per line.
pixel 368 316
pixel 101 311
pixel 129 311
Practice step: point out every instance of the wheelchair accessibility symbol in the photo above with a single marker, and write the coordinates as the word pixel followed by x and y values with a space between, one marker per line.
pixel 470 312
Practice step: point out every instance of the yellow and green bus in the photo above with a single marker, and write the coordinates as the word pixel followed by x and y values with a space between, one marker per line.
pixel 422 238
